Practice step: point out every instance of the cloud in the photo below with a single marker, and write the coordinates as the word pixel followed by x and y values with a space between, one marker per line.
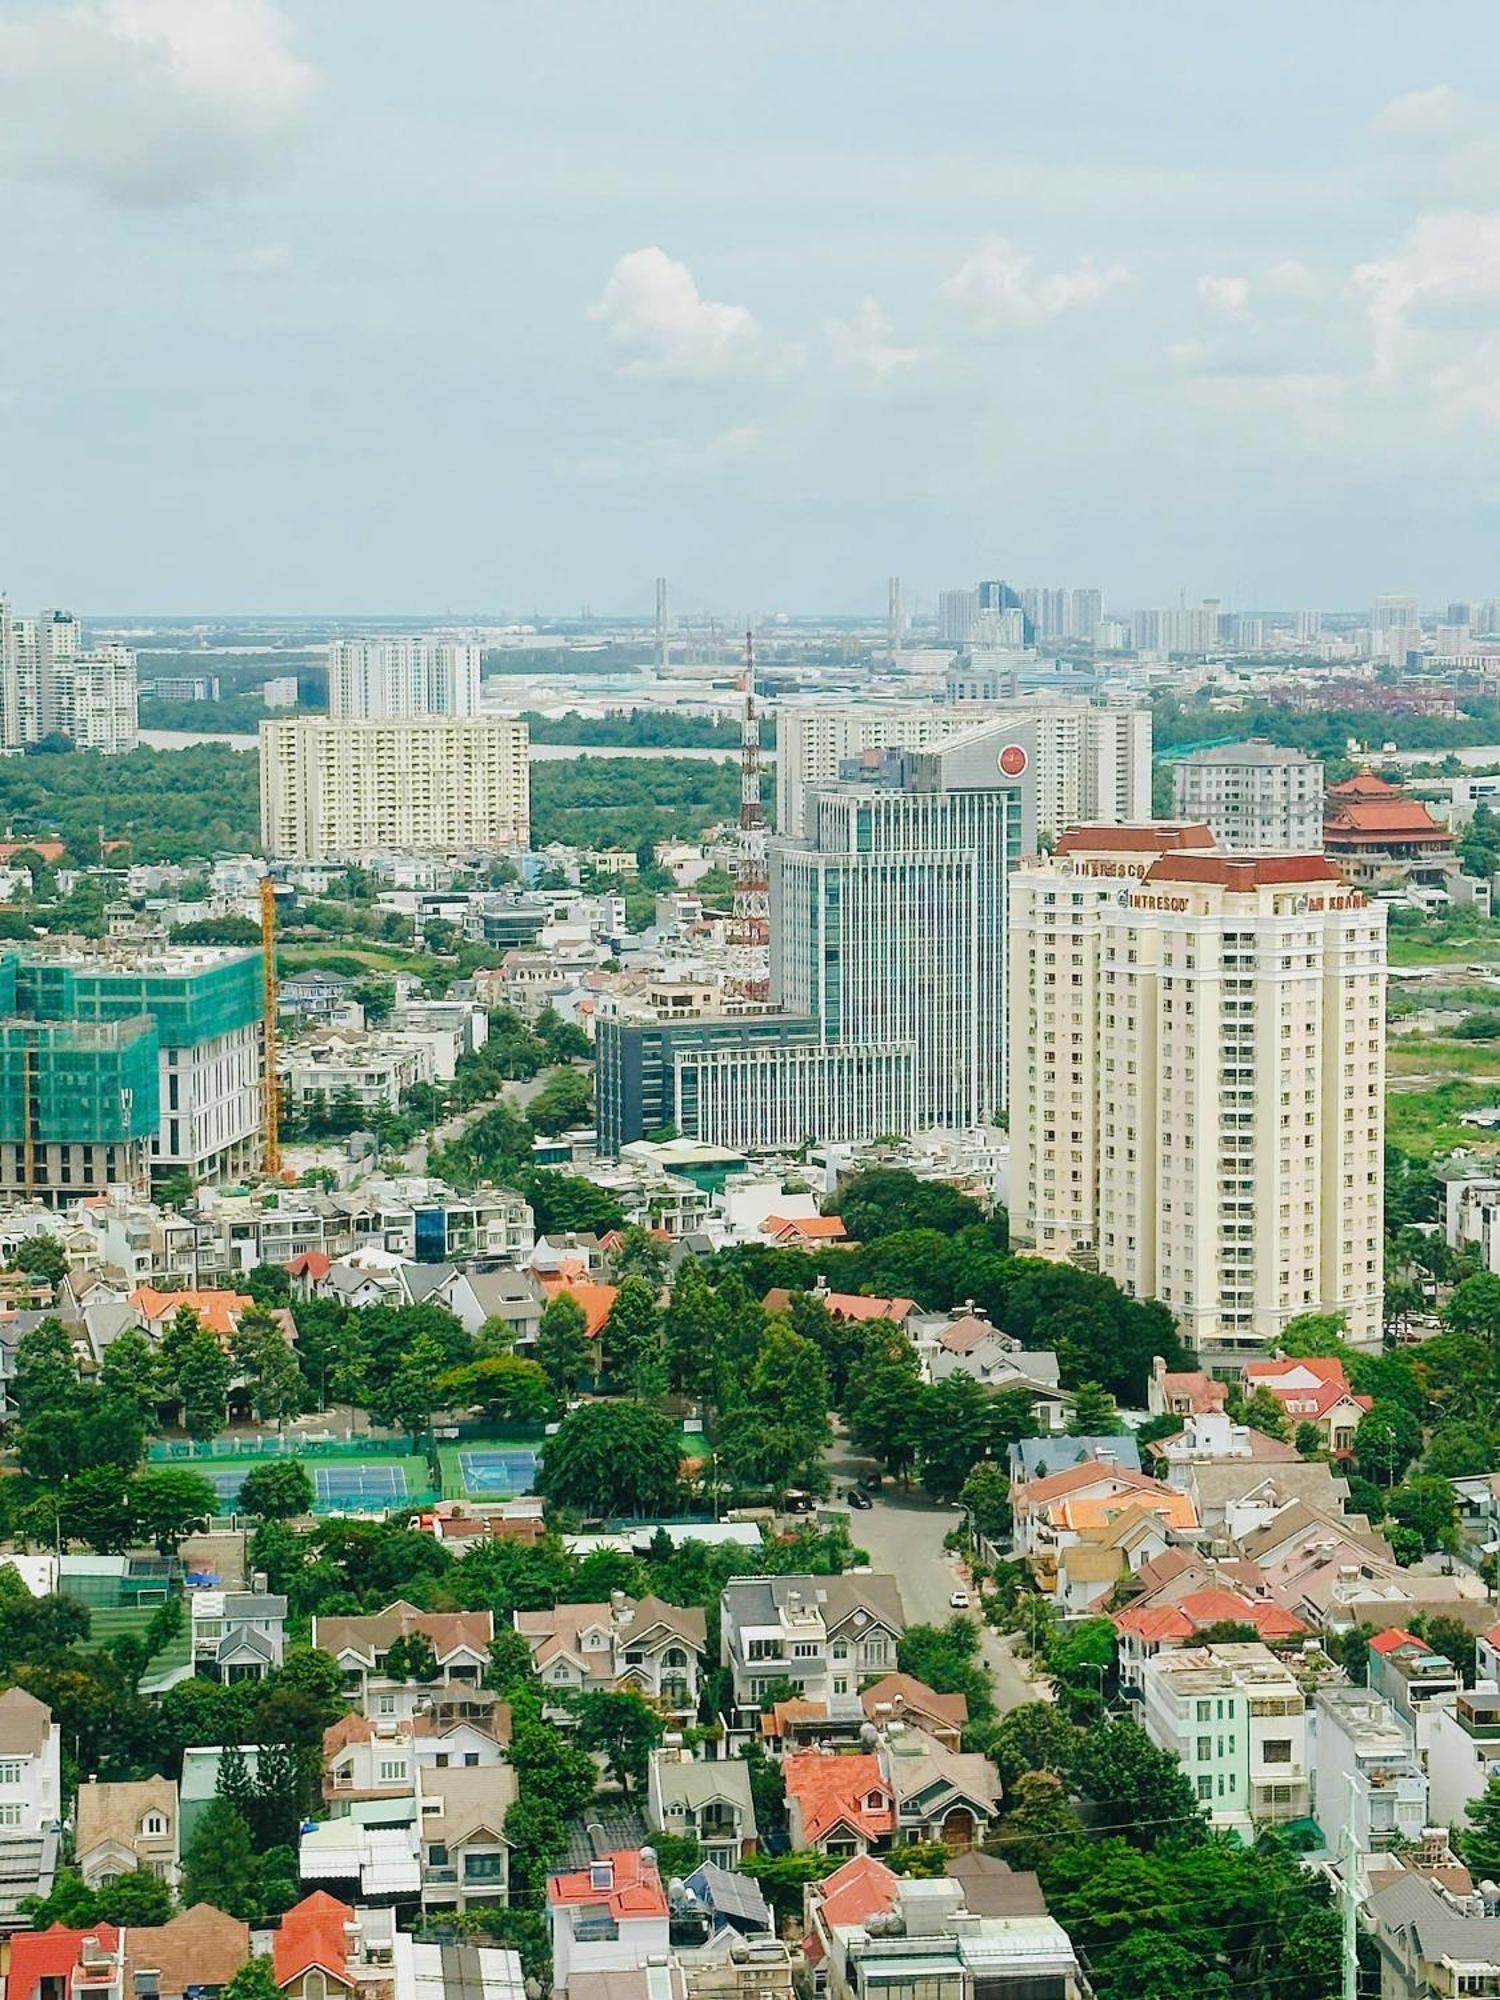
pixel 1229 296
pixel 653 312
pixel 863 345
pixel 998 289
pixel 1441 145
pixel 1442 285
pixel 264 257
pixel 149 103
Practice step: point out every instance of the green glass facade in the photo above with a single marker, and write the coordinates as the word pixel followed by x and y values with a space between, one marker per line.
pixel 188 1006
pixel 87 1082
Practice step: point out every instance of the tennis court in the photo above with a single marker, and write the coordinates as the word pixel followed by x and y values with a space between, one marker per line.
pixel 491 1469
pixel 226 1480
pixel 360 1482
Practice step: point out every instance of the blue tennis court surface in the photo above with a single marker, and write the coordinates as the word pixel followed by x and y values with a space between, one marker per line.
pixel 359 1482
pixel 226 1480
pixel 488 1471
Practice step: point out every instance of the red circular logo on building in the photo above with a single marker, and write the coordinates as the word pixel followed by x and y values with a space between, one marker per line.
pixel 1012 760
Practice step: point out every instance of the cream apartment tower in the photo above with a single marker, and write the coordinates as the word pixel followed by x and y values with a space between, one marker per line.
pixel 384 679
pixel 1196 1078
pixel 337 791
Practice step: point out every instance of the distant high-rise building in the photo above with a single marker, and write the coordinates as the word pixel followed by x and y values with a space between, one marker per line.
pixel 1255 798
pixel 999 597
pixel 51 685
pixel 1459 614
pixel 282 692
pixel 1177 629
pixel 1092 763
pixel 957 612
pixel 335 790
pixel 1309 627
pixel 1394 614
pixel 1487 618
pixel 386 679
pixel 1062 614
pixel 1196 1081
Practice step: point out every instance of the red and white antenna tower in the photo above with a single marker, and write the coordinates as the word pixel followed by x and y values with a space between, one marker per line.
pixel 751 931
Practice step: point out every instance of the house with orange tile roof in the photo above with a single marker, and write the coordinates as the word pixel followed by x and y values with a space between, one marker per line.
pixel 42 1963
pixel 1382 840
pixel 596 1301
pixel 837 1804
pixel 854 1893
pixel 846 1305
pixel 608 1917
pixel 1084 1501
pixel 219 1312
pixel 1312 1391
pixel 1148 1629
pixel 1183 1392
pixel 314 1937
pixel 806 1232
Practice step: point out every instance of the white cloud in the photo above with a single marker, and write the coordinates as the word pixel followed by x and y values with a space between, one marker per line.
pixel 1442 146
pixel 653 312
pixel 998 289
pixel 149 102
pixel 264 257
pixel 1439 292
pixel 863 345
pixel 1436 116
pixel 1229 296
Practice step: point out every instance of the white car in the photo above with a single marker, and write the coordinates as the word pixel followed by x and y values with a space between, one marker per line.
pixel 959 1600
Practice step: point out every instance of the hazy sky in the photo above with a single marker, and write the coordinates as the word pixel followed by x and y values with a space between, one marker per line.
pixel 408 304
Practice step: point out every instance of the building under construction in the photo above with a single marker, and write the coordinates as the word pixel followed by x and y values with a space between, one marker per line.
pixel 120 1063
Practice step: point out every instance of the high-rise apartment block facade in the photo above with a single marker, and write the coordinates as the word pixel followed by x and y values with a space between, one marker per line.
pixel 386 679
pixel 1255 798
pixel 1085 762
pixel 1196 1086
pixel 1063 614
pixel 957 611
pixel 332 790
pixel 51 684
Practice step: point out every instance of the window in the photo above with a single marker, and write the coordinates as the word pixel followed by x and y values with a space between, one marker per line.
pixel 392 1770
pixel 483 1867
pixel 1205 1788
pixel 805 1649
pixel 10 1815
pixel 1277 1750
pixel 10 1771
pixel 153 1826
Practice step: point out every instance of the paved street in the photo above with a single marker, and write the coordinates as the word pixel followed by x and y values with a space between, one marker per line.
pixel 518 1095
pixel 903 1533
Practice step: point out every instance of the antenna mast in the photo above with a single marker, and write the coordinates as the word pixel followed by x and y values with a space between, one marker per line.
pixel 751 931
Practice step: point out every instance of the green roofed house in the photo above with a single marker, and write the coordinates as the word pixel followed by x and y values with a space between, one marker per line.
pixel 200 1782
pixel 119 1061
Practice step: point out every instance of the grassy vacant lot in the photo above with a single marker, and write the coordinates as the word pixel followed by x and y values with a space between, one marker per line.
pixel 1439 1057
pixel 1424 1121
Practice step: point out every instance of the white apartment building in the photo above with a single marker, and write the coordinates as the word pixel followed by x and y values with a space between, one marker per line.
pixel 1255 798
pixel 374 1071
pixel 826 1633
pixel 51 685
pixel 1088 763
pixel 332 789
pixel 388 679
pixel 1197 1079
pixel 1236 1720
pixel 1368 1772
pixel 30 1765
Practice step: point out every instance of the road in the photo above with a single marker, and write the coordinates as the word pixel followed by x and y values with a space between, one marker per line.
pixel 518 1095
pixel 903 1533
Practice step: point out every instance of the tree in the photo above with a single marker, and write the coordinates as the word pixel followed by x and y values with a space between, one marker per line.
pixel 565 1202
pixel 622 1727
pixel 784 1877
pixel 631 1338
pixel 46 1370
pixel 1033 1737
pixel 255 1980
pixel 612 1459
pixel 203 1383
pixel 410 1657
pixel 220 1866
pixel 1094 1412
pixel 1479 1841
pixel 95 1508
pixel 269 1367
pixel 639 1254
pixel 1475 1307
pixel 945 1657
pixel 41 1257
pixel 1426 1507
pixel 1144 1966
pixel 1314 1336
pixel 130 1374
pixel 883 1200
pixel 1450 1637
pixel 277 1491
pixel 1135 1785
pixel 169 1503
pixel 883 1412
pixel 566 1099
pixel 985 1498
pixel 505 1388
pixel 1308 1440
pixel 1038 1820
pixel 1386 1441
pixel 409 1398
pixel 1458 1450
pixel 563 1350
pixel 693 1331
pixel 1266 1413
pixel 952 1421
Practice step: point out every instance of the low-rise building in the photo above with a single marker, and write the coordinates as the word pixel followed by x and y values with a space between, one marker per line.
pixel 127 1826
pixel 609 1917
pixel 237 1635
pixel 708 1799
pixel 1235 1718
pixel 648 1645
pixel 824 1633
pixel 1411 1676
pixel 370 1072
pixel 1432 1943
pixel 30 1802
pixel 1463 1751
pixel 387 1688
pixel 1369 1779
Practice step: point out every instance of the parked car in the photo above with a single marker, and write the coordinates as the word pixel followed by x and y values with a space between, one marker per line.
pixel 859 1499
pixel 959 1600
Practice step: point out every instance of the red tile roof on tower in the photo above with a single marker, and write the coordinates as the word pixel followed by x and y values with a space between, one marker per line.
pixel 861 1889
pixel 635 1888
pixel 313 1932
pixel 1152 837
pixel 1243 871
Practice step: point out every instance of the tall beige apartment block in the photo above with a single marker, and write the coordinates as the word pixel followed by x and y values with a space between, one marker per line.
pixel 1196 1078
pixel 338 790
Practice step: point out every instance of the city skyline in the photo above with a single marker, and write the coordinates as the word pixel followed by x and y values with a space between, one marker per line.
pixel 679 311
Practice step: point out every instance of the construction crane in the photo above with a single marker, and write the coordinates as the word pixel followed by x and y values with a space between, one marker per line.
pixel 270 1102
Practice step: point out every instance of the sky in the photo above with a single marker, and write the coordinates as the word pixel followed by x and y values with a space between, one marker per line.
pixel 471 305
